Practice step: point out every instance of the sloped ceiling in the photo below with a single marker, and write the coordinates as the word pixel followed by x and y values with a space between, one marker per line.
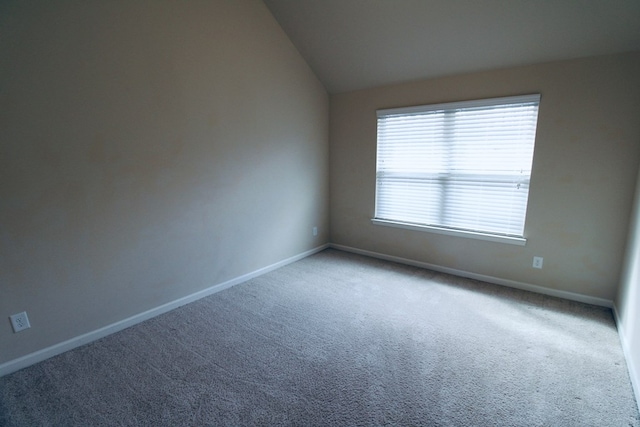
pixel 356 44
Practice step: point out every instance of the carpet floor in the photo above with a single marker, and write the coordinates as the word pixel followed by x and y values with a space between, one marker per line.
pixel 340 339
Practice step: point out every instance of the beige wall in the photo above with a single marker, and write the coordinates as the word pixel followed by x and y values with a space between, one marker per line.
pixel 628 301
pixel 149 150
pixel 585 165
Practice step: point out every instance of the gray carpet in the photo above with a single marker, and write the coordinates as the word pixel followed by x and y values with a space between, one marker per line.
pixel 339 339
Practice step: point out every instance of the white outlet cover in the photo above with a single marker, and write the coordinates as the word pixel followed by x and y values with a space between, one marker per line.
pixel 537 262
pixel 20 321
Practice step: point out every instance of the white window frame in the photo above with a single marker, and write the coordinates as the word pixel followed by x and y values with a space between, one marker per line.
pixel 517 239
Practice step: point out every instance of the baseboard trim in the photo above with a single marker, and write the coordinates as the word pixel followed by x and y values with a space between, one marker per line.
pixel 490 279
pixel 56 349
pixel 634 374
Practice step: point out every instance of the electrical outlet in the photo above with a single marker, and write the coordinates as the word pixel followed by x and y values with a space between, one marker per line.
pixel 19 321
pixel 537 261
pixel 315 231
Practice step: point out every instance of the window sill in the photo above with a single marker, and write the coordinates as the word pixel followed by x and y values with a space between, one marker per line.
pixel 519 241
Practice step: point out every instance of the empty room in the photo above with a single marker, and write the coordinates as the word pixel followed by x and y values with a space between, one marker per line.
pixel 320 212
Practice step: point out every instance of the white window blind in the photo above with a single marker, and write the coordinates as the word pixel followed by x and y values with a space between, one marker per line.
pixel 458 166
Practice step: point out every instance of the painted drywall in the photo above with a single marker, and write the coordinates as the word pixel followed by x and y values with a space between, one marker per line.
pixel 628 301
pixel 149 150
pixel 585 163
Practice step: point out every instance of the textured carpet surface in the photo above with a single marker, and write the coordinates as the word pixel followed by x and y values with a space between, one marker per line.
pixel 339 339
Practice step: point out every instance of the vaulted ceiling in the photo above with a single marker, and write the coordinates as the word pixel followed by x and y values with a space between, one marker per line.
pixel 356 44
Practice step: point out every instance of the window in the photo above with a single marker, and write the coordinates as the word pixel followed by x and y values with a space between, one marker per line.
pixel 460 168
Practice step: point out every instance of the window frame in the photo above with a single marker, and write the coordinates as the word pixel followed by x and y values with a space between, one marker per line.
pixel 452 231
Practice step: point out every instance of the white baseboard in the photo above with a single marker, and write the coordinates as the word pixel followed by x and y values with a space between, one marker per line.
pixel 634 374
pixel 54 350
pixel 490 279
